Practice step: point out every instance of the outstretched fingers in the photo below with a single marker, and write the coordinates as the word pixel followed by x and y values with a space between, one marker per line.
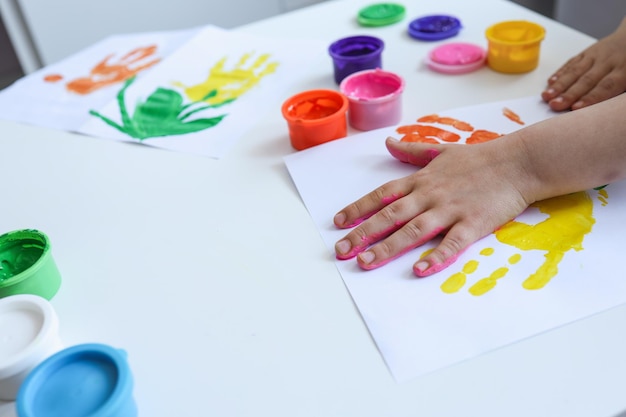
pixel 414 233
pixel 454 243
pixel 596 74
pixel 379 203
pixel 418 154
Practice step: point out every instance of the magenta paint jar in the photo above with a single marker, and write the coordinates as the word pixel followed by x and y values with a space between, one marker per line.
pixel 355 53
pixel 375 98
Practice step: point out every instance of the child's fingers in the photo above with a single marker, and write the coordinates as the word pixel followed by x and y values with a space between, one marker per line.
pixel 610 85
pixel 371 203
pixel 418 154
pixel 454 243
pixel 411 235
pixel 386 213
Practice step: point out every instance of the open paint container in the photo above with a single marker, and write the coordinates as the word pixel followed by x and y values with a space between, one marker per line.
pixel 456 58
pixel 375 98
pixel 434 27
pixel 83 380
pixel 514 46
pixel 26 264
pixel 29 333
pixel 315 117
pixel 355 53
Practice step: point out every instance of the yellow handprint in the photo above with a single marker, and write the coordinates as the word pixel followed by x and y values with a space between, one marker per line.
pixel 224 86
pixel 569 217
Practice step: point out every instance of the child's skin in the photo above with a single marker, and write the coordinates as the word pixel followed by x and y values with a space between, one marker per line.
pixel 596 74
pixel 467 192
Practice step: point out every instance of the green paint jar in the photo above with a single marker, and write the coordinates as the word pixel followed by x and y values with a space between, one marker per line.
pixel 26 265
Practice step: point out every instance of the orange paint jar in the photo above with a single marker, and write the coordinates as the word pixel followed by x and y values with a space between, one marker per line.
pixel 514 46
pixel 315 117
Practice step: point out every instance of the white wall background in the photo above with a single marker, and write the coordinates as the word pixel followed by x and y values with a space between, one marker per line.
pixel 45 31
pixel 596 18
pixel 54 29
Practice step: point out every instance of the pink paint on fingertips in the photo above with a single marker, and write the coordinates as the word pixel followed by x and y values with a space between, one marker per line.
pixel 420 161
pixel 391 198
pixel 434 268
pixel 432 154
pixel 424 239
pixel 349 255
pixel 358 221
pixel 344 250
pixel 366 241
pixel 374 265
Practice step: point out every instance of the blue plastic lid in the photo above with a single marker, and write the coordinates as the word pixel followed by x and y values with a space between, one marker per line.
pixel 434 28
pixel 85 380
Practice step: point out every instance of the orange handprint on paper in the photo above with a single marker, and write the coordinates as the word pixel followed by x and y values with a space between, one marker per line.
pixel 224 86
pixel 568 219
pixel 426 133
pixel 107 72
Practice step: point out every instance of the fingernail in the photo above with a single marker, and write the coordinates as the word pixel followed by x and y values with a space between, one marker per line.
pixel 553 78
pixel 421 266
pixel 340 219
pixel 579 104
pixel 367 257
pixel 550 91
pixel 557 100
pixel 343 247
pixel 392 139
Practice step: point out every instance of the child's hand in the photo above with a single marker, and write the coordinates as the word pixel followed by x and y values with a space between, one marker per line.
pixel 595 75
pixel 463 192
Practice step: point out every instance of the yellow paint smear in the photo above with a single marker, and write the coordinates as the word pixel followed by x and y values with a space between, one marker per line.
pixel 570 219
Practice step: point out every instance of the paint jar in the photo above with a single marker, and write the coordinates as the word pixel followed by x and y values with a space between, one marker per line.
pixel 315 117
pixel 375 98
pixel 82 380
pixel 434 27
pixel 29 333
pixel 456 58
pixel 381 14
pixel 26 264
pixel 514 46
pixel 355 53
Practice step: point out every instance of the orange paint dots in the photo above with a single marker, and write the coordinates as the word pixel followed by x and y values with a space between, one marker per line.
pixel 511 115
pixel 457 124
pixel 53 78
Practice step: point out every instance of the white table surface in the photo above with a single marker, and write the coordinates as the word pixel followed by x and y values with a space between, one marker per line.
pixel 212 276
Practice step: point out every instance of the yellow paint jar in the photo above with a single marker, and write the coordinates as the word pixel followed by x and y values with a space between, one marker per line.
pixel 513 46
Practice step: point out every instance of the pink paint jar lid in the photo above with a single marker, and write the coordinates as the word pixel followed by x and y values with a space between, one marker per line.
pixel 456 58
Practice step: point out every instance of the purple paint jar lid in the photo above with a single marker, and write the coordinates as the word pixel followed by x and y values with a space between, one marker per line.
pixel 456 58
pixel 434 28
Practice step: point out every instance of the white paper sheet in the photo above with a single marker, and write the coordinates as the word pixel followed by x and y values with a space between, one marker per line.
pixel 418 327
pixel 193 91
